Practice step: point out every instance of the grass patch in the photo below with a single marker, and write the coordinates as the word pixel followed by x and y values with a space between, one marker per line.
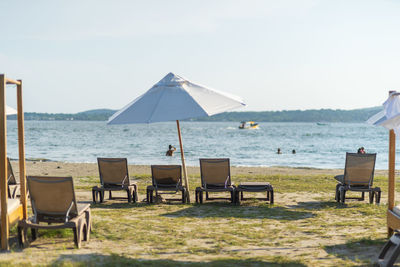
pixel 304 227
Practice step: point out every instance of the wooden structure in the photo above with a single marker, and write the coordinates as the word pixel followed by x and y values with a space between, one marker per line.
pixel 11 216
pixel 393 219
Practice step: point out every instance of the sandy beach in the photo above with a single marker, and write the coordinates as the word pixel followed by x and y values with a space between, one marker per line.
pixel 91 169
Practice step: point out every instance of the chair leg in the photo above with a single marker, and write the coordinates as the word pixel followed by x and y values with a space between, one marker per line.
pixel 272 197
pixel 337 193
pixel 362 196
pixel 109 195
pixel 183 195
pixel 128 192
pixel 196 193
pixel 151 196
pixel 342 195
pixel 371 197
pixel 390 251
pixel 34 233
pixel 101 196
pixel 94 196
pixel 232 197
pixel 134 196
pixel 237 197
pixel 378 197
pixel 201 197
pixel 20 237
pixel 207 197
pixel 241 195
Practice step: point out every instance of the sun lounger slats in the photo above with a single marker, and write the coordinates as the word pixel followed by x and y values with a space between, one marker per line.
pixel 215 177
pixel 114 176
pixel 358 176
pixel 55 207
pixel 166 178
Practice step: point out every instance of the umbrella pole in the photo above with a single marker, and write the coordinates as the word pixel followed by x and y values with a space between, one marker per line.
pixel 183 161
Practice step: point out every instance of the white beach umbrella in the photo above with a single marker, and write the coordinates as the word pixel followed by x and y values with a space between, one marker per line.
pixel 10 111
pixel 175 98
pixel 389 117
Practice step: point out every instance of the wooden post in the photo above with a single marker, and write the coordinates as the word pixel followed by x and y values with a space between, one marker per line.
pixel 21 148
pixel 3 163
pixel 391 174
pixel 392 161
pixel 183 162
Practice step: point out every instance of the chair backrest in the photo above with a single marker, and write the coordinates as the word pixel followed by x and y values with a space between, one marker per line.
pixel 166 175
pixel 215 172
pixel 52 198
pixel 11 177
pixel 359 169
pixel 113 171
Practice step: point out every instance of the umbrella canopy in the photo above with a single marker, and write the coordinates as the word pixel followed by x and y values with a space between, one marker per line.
pixel 389 117
pixel 10 111
pixel 175 98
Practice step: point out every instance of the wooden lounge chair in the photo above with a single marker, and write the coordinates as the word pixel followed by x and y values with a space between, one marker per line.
pixel 167 179
pixel 114 177
pixel 358 176
pixel 13 183
pixel 215 177
pixel 54 206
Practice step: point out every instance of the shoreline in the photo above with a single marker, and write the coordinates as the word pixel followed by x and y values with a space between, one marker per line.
pixel 91 169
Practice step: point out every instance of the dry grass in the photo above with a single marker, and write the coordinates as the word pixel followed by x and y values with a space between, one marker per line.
pixel 305 227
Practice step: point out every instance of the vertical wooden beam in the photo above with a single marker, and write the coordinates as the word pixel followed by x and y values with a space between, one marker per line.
pixel 21 149
pixel 3 163
pixel 183 161
pixel 392 170
pixel 392 161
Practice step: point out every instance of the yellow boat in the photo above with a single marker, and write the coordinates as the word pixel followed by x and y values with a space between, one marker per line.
pixel 248 125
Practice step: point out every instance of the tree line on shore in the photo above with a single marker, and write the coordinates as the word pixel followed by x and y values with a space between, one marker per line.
pixel 312 115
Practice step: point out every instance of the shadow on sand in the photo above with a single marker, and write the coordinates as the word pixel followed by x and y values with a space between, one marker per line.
pixel 364 250
pixel 227 210
pixel 117 260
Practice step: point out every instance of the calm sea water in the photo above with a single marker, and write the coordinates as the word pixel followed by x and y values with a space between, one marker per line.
pixel 316 146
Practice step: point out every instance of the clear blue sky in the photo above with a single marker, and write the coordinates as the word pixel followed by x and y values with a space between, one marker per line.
pixel 79 55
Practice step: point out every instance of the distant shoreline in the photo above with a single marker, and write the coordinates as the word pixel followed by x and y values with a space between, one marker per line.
pixel 311 115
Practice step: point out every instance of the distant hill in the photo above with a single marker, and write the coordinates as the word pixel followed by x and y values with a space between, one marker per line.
pixel 90 115
pixel 312 115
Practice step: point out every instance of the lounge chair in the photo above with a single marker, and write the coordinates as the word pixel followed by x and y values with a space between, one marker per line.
pixel 358 176
pixel 215 177
pixel 13 183
pixel 167 179
pixel 114 177
pixel 54 206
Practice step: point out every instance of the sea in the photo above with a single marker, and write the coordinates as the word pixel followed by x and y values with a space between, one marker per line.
pixel 317 145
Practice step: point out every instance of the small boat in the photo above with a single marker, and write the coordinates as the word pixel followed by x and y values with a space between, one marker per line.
pixel 248 125
pixel 321 124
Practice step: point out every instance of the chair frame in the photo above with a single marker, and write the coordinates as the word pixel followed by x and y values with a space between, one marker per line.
pixel 12 181
pixel 230 187
pixel 81 223
pixel 130 187
pixel 254 187
pixel 343 187
pixel 173 189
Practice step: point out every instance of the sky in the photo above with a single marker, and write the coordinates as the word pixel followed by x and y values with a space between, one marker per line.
pixel 277 55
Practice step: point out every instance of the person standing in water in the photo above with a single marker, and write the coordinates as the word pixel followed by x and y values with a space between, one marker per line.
pixel 171 150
